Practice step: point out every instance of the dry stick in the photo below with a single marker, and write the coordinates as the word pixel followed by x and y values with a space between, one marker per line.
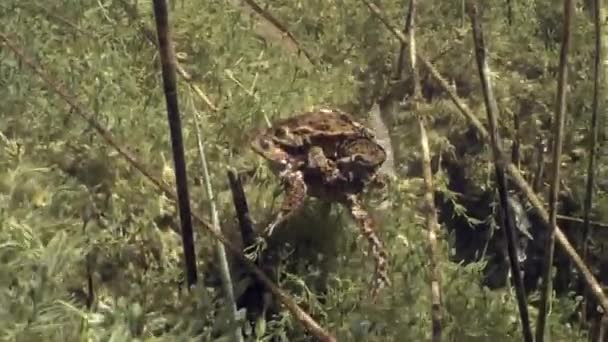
pixel 558 132
pixel 433 227
pixel 303 318
pixel 409 22
pixel 241 208
pixel 167 60
pixel 411 29
pixel 579 220
pixel 149 34
pixel 220 251
pixel 592 143
pixel 246 225
pixel 279 26
pixel 429 202
pixel 501 182
pixel 513 171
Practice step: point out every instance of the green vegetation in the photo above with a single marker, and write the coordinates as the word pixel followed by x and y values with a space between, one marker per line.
pixel 72 209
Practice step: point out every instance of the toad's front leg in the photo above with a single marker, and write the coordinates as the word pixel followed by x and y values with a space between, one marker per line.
pixel 318 162
pixel 295 194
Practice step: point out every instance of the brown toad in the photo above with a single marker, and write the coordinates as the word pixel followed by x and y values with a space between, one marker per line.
pixel 328 155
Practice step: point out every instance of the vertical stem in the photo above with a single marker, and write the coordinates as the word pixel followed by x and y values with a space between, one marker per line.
pixel 167 59
pixel 224 268
pixel 558 129
pixel 499 164
pixel 432 226
pixel 592 143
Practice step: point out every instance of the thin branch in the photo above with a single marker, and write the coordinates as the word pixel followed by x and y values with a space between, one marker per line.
pixel 558 132
pixel 430 211
pixel 409 22
pixel 411 29
pixel 579 220
pixel 256 288
pixel 513 171
pixel 167 60
pixel 241 208
pixel 279 26
pixel 299 314
pixel 149 34
pixel 220 251
pixel 433 228
pixel 501 181
pixel 593 141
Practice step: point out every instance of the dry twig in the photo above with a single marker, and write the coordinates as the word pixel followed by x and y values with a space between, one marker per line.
pixel 558 131
pixel 220 251
pixel 279 26
pixel 167 61
pixel 430 212
pixel 501 181
pixel 433 228
pixel 592 142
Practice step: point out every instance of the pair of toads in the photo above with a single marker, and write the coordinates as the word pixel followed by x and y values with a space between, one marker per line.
pixel 327 154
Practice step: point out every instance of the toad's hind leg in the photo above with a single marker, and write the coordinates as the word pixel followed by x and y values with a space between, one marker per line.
pixel 366 226
pixel 295 193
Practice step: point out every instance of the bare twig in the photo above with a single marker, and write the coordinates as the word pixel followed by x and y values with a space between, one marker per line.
pixel 279 26
pixel 430 212
pixel 558 131
pixel 167 60
pixel 501 182
pixel 242 209
pixel 433 228
pixel 256 288
pixel 224 268
pixel 411 29
pixel 593 141
pixel 513 171
pixel 149 34
pixel 300 315
pixel 409 23
pixel 579 220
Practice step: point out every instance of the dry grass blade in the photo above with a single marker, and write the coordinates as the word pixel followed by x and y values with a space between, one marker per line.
pixel 300 315
pixel 501 182
pixel 513 171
